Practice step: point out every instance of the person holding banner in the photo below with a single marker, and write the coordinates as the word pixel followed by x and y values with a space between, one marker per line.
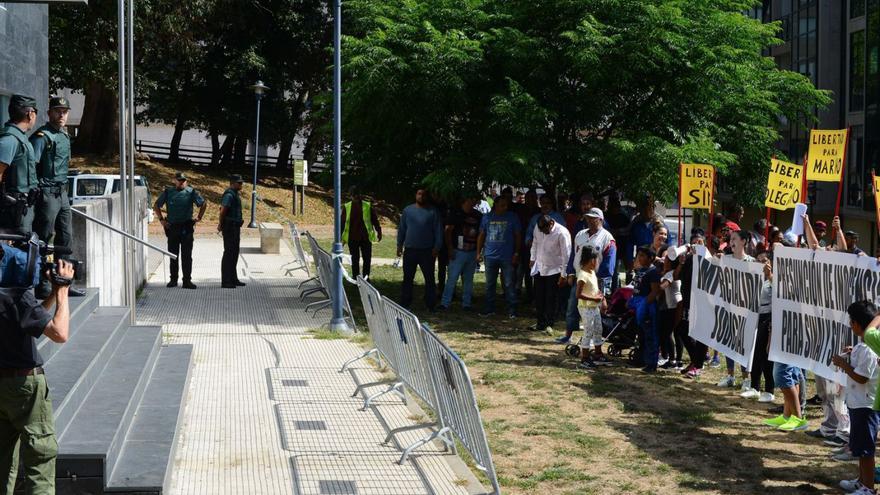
pixel 862 375
pixel 739 240
pixel 761 365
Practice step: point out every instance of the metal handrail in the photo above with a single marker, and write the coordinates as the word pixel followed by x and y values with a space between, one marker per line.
pixel 122 233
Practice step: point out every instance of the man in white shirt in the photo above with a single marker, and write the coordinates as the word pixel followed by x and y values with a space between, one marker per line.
pixel 551 247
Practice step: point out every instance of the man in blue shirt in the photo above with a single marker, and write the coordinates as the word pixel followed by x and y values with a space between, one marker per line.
pixel 419 238
pixel 500 237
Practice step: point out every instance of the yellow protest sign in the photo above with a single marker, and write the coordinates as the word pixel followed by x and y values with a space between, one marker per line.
pixel 784 185
pixel 826 154
pixel 876 181
pixel 696 186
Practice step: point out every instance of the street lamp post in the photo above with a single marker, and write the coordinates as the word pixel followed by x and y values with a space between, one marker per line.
pixel 337 321
pixel 259 88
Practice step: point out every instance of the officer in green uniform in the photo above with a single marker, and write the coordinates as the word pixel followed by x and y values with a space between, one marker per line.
pixel 18 168
pixel 52 211
pixel 27 427
pixel 230 226
pixel 179 225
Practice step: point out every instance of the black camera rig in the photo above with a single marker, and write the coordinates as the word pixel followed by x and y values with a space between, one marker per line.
pixel 37 255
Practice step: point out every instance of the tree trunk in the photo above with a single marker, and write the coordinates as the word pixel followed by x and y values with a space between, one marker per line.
pixel 226 152
pixel 284 153
pixel 240 153
pixel 98 131
pixel 215 149
pixel 179 124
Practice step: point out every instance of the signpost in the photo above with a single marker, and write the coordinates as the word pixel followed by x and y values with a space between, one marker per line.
pixel 300 181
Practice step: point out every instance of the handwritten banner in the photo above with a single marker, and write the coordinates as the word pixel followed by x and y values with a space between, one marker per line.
pixel 784 185
pixel 811 292
pixel 825 156
pixel 725 297
pixel 696 186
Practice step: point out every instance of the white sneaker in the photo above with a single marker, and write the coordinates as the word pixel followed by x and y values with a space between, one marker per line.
pixel 766 397
pixel 662 361
pixel 727 381
pixel 750 393
pixel 746 385
pixel 850 486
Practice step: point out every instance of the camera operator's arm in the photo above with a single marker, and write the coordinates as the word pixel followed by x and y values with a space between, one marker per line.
pixel 57 329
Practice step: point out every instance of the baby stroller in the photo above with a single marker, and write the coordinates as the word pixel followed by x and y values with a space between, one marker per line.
pixel 619 328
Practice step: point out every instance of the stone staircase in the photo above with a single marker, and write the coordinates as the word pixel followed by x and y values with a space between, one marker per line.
pixel 118 395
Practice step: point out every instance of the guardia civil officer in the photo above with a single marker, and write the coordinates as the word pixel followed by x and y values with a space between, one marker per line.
pixel 230 226
pixel 180 225
pixel 18 168
pixel 27 426
pixel 52 210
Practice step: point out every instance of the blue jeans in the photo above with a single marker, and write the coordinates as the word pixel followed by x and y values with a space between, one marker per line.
pixel 646 318
pixel 507 276
pixel 463 264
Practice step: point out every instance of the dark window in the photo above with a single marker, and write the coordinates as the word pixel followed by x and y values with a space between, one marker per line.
pixel 856 182
pixel 856 8
pixel 91 187
pixel 857 71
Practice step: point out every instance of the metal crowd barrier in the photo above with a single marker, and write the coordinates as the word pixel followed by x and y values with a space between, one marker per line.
pixel 300 261
pixel 432 371
pixel 324 263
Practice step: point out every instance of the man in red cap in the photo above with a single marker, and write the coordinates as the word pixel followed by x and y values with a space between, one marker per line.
pixel 820 227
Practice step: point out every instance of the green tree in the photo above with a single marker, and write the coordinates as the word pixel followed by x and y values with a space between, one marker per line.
pixel 583 94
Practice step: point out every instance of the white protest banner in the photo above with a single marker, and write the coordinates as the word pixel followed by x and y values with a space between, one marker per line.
pixel 725 296
pixel 811 292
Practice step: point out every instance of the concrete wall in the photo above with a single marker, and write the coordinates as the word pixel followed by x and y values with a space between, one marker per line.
pixel 24 57
pixel 100 249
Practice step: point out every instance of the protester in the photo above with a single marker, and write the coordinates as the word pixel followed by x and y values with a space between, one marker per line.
pixel 761 364
pixel 547 208
pixel 419 237
pixel 590 299
pixel 734 217
pixel 525 212
pixel 820 228
pixel 759 229
pixel 591 235
pixel 789 379
pixel 460 235
pixel 659 235
pixel 739 240
pixel 548 258
pixel 861 395
pixel 500 237
pixel 646 285
pixel 671 342
pixel 641 231
pixel 684 272
pixel 852 241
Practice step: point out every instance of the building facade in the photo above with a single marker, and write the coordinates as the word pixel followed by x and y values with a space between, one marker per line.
pixel 835 43
pixel 24 54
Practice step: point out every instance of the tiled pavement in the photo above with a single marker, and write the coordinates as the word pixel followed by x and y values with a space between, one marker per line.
pixel 267 410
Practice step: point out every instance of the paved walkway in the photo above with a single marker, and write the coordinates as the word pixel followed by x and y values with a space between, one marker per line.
pixel 267 410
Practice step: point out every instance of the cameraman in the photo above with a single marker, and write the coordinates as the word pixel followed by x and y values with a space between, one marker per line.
pixel 26 420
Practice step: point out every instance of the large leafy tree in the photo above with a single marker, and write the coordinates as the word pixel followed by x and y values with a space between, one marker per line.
pixel 585 94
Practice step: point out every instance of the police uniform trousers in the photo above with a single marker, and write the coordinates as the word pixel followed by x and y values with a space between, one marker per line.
pixel 180 242
pixel 231 242
pixel 27 429
pixel 17 220
pixel 52 216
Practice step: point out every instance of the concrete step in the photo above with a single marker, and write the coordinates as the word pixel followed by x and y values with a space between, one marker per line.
pixel 80 309
pixel 145 461
pixel 73 370
pixel 88 448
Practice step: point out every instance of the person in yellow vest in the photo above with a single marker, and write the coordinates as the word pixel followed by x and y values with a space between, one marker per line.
pixel 360 229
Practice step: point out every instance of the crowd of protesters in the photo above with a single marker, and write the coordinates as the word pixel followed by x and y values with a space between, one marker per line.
pixel 563 259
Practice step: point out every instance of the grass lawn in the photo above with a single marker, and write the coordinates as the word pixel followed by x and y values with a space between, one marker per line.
pixel 555 430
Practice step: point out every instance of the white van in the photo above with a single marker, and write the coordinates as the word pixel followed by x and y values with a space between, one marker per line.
pixel 82 187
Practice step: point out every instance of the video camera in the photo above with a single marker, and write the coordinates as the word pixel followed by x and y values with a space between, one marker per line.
pixel 22 260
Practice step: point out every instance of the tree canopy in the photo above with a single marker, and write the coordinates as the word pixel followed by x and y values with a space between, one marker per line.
pixel 581 94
